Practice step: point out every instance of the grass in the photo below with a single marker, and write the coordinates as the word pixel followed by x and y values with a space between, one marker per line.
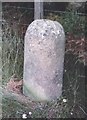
pixel 73 93
pixel 74 73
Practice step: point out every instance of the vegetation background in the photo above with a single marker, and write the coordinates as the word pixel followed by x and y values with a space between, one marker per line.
pixel 15 19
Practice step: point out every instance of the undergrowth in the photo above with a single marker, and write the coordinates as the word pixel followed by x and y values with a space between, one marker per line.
pixel 72 102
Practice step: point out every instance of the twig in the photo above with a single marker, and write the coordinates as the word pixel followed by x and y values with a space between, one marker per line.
pixel 82 110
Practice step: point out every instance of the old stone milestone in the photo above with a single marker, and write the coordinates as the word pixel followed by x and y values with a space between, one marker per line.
pixel 43 60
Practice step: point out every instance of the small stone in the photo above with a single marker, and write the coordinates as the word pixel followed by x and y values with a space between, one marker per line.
pixel 71 113
pixel 24 116
pixel 64 100
pixel 30 113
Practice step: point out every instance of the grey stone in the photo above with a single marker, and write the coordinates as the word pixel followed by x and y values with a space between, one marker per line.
pixel 43 60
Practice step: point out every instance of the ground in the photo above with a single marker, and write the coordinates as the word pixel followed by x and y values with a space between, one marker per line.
pixel 72 102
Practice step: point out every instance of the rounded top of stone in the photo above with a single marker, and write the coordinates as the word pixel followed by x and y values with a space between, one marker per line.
pixel 44 28
pixel 38 21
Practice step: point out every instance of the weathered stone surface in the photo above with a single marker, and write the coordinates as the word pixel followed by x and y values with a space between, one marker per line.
pixel 43 60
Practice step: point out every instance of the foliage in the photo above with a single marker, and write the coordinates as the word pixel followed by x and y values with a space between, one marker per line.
pixel 69 105
pixel 72 22
pixel 12 57
pixel 73 83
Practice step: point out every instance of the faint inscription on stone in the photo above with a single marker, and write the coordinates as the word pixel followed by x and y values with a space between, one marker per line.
pixel 43 60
